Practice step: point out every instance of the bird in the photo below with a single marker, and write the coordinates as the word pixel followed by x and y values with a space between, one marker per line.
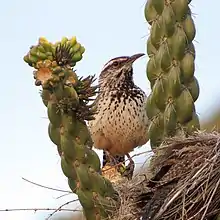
pixel 120 123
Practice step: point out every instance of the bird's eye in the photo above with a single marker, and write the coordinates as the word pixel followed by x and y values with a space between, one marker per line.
pixel 116 63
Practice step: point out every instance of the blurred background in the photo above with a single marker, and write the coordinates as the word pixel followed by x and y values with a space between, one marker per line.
pixel 107 29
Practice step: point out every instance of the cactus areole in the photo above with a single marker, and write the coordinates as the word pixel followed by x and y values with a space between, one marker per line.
pixel 170 70
pixel 67 100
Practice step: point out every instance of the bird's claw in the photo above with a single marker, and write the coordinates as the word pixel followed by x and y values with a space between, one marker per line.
pixel 128 171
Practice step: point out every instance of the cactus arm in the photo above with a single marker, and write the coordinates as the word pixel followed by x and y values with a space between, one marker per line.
pixel 170 70
pixel 67 98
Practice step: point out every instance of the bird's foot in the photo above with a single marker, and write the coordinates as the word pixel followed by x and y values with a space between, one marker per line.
pixel 127 171
pixel 112 173
pixel 114 166
pixel 118 171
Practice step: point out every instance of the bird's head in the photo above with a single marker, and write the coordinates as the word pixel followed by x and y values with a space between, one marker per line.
pixel 118 70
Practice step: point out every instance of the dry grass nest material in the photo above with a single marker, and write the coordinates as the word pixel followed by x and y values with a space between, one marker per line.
pixel 182 182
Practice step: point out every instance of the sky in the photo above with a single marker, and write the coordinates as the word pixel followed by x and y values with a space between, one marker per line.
pixel 107 29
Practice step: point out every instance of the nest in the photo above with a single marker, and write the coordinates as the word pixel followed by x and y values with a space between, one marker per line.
pixel 182 182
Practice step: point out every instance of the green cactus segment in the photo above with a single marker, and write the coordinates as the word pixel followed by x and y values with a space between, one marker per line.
pixel 170 70
pixel 66 52
pixel 67 98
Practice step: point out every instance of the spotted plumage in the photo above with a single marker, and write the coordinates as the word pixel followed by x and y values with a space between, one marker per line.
pixel 121 123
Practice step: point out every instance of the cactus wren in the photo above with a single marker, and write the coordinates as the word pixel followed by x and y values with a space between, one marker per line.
pixel 121 122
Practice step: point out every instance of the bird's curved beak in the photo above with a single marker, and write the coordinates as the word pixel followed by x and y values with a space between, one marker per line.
pixel 135 57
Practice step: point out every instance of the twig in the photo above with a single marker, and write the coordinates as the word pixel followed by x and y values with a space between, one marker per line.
pixel 46 187
pixel 139 154
pixel 60 207
pixel 39 209
pixel 213 193
pixel 66 194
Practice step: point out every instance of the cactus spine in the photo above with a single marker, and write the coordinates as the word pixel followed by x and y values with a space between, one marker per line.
pixel 67 100
pixel 170 70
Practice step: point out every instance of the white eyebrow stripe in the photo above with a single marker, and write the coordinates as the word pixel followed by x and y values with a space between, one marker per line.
pixel 109 63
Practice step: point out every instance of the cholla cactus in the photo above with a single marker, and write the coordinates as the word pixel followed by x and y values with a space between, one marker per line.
pixel 67 100
pixel 170 69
